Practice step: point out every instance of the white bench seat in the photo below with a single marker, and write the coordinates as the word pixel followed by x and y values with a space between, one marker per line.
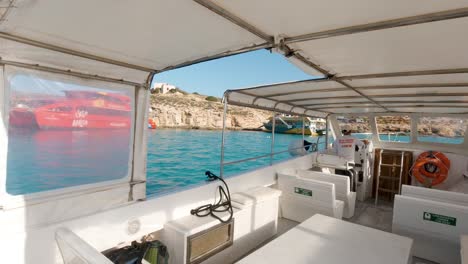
pixel 435 219
pixel 342 188
pixel 302 198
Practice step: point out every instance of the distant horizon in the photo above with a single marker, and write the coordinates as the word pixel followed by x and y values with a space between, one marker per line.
pixel 239 71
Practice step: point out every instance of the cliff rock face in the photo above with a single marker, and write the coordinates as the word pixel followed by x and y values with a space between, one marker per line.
pixel 182 110
pixel 435 126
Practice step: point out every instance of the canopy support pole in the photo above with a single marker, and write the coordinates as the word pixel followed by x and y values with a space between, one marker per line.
pixel 272 151
pixel 221 165
pixel 326 132
pixel 303 128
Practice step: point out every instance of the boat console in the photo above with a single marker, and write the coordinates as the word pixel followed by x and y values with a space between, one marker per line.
pixel 358 169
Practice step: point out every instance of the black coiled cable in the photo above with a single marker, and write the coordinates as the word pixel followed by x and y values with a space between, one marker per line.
pixel 222 205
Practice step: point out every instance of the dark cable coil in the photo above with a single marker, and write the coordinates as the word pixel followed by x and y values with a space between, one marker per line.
pixel 222 205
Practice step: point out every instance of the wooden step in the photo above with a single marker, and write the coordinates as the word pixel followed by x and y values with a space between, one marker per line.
pixel 391 165
pixel 388 190
pixel 389 178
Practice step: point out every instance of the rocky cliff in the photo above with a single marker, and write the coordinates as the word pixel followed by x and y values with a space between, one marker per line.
pixel 435 126
pixel 184 110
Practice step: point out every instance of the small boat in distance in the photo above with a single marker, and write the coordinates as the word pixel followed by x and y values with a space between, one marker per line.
pixel 293 125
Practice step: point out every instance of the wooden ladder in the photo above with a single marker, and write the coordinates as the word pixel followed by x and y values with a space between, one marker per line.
pixel 390 177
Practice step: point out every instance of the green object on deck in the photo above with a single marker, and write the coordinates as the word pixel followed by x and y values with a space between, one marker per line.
pixel 156 253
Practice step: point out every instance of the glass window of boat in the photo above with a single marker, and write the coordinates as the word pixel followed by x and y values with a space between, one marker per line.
pixel 62 133
pixel 394 128
pixel 447 130
pixel 359 125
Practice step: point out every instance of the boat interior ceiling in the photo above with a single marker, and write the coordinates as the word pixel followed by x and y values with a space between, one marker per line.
pixel 374 58
pixel 365 49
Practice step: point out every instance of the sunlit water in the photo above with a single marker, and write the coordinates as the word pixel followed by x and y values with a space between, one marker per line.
pixel 179 158
pixel 41 160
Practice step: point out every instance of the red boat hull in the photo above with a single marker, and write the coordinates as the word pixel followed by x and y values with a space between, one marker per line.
pixel 78 110
pixel 22 117
pixel 48 120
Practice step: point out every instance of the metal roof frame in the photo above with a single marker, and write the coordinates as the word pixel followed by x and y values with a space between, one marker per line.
pixel 342 80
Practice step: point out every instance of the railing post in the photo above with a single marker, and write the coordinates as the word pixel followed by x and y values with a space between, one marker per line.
pixel 221 165
pixel 273 122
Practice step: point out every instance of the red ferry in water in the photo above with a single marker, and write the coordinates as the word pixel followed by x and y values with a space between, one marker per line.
pixel 79 110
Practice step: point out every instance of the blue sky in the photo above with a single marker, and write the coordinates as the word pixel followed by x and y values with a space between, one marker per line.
pixel 244 70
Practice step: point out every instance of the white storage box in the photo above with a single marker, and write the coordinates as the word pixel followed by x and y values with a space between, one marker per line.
pixel 255 220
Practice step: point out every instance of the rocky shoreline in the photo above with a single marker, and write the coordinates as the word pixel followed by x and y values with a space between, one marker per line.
pixel 194 111
pixel 439 126
pixel 183 110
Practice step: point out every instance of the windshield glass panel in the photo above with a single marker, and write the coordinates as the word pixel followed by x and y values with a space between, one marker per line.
pixel 394 128
pixel 63 134
pixel 359 126
pixel 447 130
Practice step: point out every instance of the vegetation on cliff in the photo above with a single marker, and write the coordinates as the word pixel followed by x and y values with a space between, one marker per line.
pixel 195 111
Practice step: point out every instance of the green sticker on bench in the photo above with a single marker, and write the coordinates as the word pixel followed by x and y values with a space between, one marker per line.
pixel 302 191
pixel 442 219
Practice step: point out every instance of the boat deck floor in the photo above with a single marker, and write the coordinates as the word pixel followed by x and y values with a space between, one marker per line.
pixel 366 214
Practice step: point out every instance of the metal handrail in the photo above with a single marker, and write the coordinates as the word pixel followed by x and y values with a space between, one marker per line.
pixel 396 135
pixel 259 157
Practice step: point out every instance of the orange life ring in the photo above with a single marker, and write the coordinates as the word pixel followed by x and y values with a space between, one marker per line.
pixel 436 154
pixel 432 166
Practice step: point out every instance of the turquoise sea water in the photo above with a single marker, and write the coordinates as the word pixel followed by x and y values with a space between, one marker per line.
pixel 178 159
pixel 41 160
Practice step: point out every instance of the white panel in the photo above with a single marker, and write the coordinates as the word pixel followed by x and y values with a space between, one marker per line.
pixel 325 101
pixel 3 137
pixel 414 91
pixel 344 105
pixel 240 98
pixel 293 87
pixel 297 17
pixel 357 110
pixel 288 108
pixel 265 102
pixel 14 51
pixel 151 33
pixel 75 250
pixel 423 98
pixel 437 45
pixel 301 96
pixel 428 104
pixel 429 110
pixel 423 79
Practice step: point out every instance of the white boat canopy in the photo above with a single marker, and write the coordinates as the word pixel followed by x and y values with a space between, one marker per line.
pixel 118 39
pixel 372 55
